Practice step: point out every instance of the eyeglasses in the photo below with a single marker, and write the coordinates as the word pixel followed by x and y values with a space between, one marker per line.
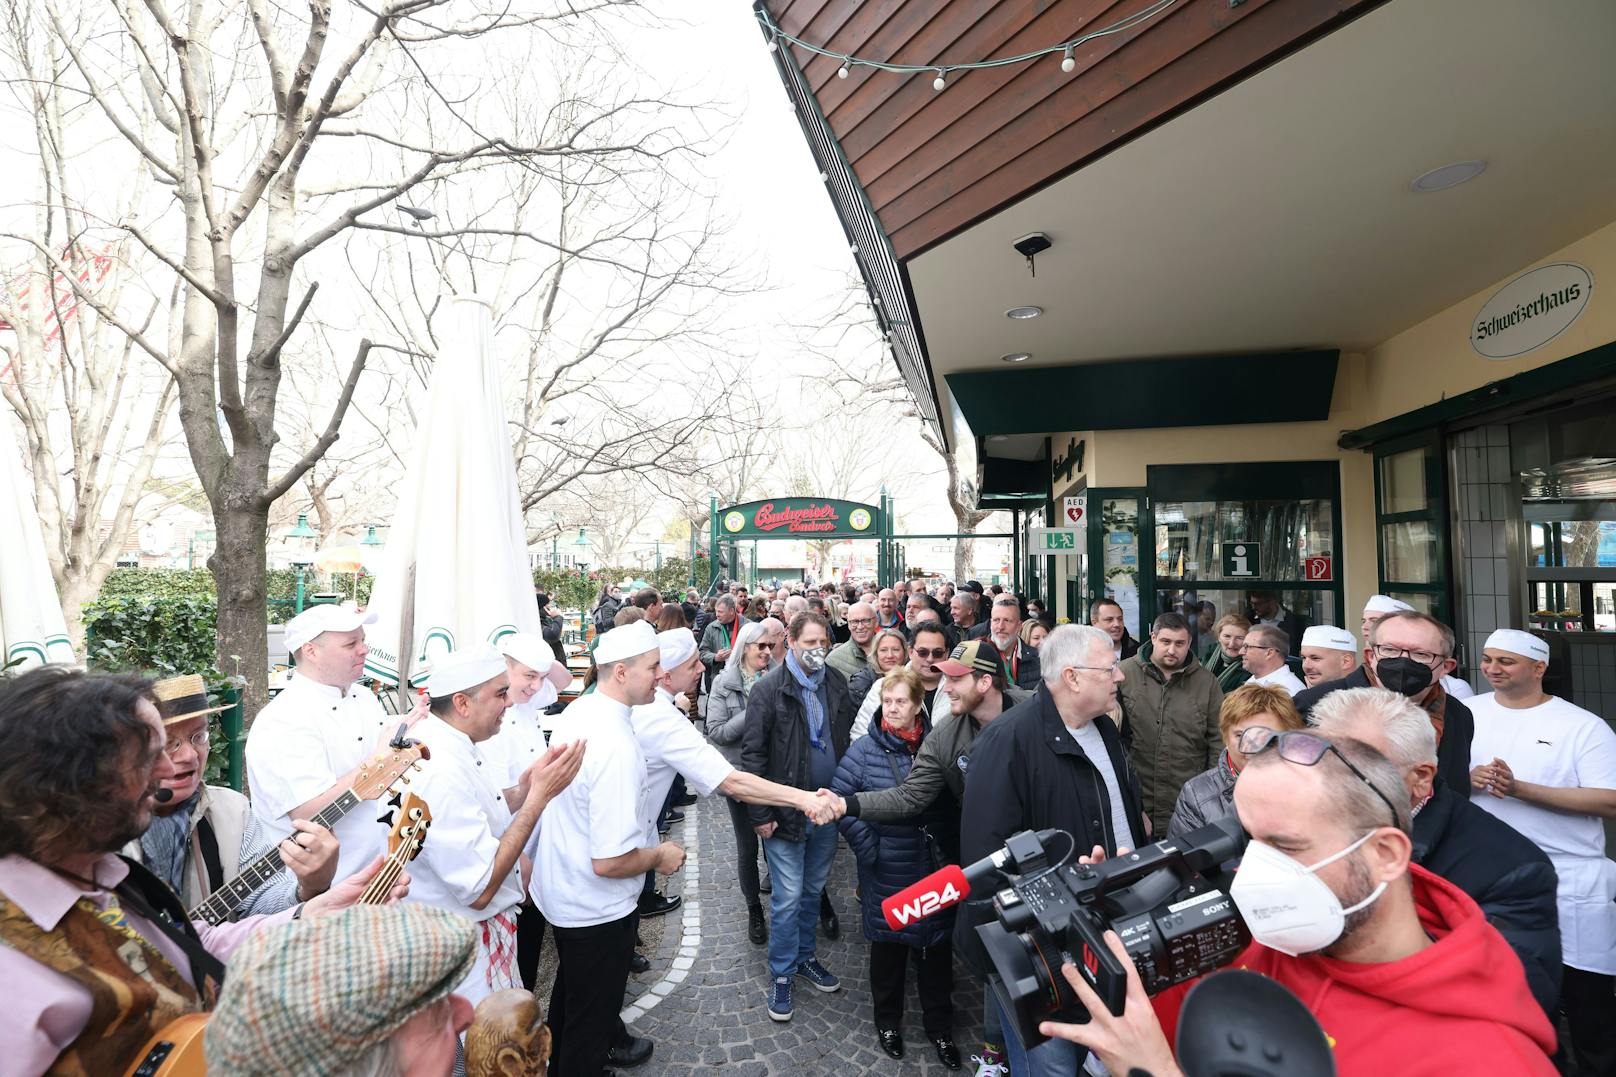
pixel 1424 658
pixel 1112 668
pixel 1304 749
pixel 1255 647
pixel 198 741
pixel 931 652
pixel 856 621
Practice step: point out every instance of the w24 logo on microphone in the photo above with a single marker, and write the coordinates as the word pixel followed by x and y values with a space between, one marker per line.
pixel 923 905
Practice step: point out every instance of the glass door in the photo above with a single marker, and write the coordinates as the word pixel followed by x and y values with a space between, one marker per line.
pixel 1411 523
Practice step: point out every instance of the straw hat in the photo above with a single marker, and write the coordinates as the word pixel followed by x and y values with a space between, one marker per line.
pixel 182 697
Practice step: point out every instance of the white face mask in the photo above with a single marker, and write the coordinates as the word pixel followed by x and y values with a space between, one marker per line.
pixel 1286 905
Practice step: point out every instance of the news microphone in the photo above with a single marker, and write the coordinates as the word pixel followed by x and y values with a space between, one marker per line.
pixel 163 796
pixel 940 890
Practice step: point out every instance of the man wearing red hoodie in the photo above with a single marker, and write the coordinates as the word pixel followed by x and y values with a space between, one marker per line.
pixel 1400 968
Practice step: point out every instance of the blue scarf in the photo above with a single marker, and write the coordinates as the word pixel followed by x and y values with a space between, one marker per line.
pixel 167 840
pixel 813 698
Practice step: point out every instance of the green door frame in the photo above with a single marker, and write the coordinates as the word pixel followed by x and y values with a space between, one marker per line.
pixel 1435 513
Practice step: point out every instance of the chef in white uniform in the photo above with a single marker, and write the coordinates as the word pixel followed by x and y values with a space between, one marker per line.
pixel 304 749
pixel 591 852
pixel 469 863
pixel 1548 768
pixel 1328 654
pixel 536 679
pixel 1379 606
pixel 672 744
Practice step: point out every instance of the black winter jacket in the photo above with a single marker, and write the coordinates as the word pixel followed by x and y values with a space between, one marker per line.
pixel 775 744
pixel 1458 729
pixel 1505 873
pixel 890 856
pixel 1026 773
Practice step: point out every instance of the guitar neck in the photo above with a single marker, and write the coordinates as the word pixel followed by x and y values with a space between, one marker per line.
pixel 229 897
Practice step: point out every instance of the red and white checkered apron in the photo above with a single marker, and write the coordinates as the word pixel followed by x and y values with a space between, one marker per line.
pixel 499 943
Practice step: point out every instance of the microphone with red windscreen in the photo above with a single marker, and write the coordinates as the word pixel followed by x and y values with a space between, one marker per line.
pixel 942 889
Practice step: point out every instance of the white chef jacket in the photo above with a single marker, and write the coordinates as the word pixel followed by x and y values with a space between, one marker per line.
pixel 518 744
pixel 672 746
pixel 1281 678
pixel 1457 689
pixel 1558 744
pixel 300 744
pixel 597 817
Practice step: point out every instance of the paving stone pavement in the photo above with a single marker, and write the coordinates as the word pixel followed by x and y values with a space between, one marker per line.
pixel 715 1018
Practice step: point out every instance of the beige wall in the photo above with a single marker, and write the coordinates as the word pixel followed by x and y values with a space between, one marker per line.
pixel 1419 366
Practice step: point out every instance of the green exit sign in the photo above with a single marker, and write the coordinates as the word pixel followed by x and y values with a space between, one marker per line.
pixel 1054 539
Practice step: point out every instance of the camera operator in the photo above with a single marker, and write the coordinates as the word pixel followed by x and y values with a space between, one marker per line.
pixel 1055 760
pixel 1399 966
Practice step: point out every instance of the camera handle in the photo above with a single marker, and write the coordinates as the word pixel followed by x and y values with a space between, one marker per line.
pixel 1098 966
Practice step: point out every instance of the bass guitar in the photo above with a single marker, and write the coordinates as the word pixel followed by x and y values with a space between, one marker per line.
pixel 377 775
pixel 177 1050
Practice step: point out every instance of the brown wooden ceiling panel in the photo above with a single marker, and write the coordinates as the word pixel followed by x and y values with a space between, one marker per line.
pixel 933 163
pixel 987 101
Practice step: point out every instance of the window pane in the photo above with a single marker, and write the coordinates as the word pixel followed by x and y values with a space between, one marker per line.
pixel 1193 536
pixel 1410 552
pixel 1402 482
pixel 1120 519
pixel 1425 603
pixel 1556 606
pixel 1605 607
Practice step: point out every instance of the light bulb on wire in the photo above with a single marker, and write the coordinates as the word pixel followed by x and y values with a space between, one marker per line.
pixel 1068 62
pixel 843 71
pixel 940 83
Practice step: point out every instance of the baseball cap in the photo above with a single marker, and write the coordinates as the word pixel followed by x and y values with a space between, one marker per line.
pixel 328 617
pixel 973 656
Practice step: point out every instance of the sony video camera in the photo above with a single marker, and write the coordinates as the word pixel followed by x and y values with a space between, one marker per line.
pixel 1165 901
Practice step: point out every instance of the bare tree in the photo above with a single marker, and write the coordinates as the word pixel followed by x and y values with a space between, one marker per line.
pixel 276 132
pixel 92 416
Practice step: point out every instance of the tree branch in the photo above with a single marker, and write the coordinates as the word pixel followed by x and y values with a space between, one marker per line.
pixel 328 437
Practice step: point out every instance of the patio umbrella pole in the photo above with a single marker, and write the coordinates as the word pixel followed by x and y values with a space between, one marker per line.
pixel 406 638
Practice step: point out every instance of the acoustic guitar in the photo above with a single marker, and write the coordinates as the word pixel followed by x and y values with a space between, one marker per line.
pixel 377 775
pixel 177 1049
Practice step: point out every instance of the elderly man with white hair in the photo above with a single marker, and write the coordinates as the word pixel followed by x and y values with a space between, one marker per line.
pixel 1548 768
pixel 1064 758
pixel 1509 877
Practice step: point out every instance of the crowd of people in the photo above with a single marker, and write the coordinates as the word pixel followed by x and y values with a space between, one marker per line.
pixel 1425 870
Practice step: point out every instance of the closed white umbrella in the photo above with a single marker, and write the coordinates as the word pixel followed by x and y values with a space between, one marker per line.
pixel 32 628
pixel 455 569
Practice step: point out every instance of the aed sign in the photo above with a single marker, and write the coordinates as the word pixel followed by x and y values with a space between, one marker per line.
pixel 1317 570
pixel 1531 310
pixel 1074 509
pixel 1239 559
pixel 1053 540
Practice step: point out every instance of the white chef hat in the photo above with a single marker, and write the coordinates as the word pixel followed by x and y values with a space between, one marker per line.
pixel 1515 641
pixel 676 646
pixel 1329 637
pixel 326 617
pixel 464 670
pixel 528 649
pixel 1383 604
pixel 625 642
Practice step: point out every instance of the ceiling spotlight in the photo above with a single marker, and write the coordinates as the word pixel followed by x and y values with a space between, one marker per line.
pixel 1021 314
pixel 1440 179
pixel 1016 357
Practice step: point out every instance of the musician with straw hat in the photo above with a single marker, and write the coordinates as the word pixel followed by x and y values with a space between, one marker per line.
pixel 470 862
pixel 204 836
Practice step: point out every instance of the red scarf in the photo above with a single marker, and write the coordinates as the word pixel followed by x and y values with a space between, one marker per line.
pixel 910 737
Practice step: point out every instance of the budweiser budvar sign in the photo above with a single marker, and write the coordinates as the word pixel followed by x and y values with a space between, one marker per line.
pixel 799 516
pixel 820 517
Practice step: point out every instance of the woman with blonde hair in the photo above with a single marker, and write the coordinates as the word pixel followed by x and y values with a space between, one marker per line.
pixel 1209 796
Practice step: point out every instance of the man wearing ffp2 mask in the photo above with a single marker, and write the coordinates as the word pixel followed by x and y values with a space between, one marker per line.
pixel 1412 981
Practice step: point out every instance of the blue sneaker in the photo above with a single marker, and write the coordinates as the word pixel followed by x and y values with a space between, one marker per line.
pixel 818 975
pixel 780 999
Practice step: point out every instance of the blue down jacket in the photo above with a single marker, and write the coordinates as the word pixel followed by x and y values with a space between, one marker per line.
pixel 890 856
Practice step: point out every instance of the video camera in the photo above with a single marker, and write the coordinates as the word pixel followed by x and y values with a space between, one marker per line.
pixel 1175 922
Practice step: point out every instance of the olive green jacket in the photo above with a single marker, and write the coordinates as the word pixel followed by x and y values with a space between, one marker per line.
pixel 1171 727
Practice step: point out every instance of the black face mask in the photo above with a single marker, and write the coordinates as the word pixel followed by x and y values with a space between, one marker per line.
pixel 1404 676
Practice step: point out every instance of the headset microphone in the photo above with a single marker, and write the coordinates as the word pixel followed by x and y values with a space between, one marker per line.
pixel 163 796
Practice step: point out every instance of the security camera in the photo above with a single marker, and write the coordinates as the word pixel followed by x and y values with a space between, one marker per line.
pixel 1033 243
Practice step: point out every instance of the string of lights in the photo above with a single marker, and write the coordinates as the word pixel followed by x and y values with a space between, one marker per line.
pixel 1066 49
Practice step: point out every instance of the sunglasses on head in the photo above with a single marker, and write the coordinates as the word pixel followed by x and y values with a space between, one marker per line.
pixel 1304 749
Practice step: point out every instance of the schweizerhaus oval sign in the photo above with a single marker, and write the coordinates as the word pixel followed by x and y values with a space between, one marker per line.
pixel 1531 310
